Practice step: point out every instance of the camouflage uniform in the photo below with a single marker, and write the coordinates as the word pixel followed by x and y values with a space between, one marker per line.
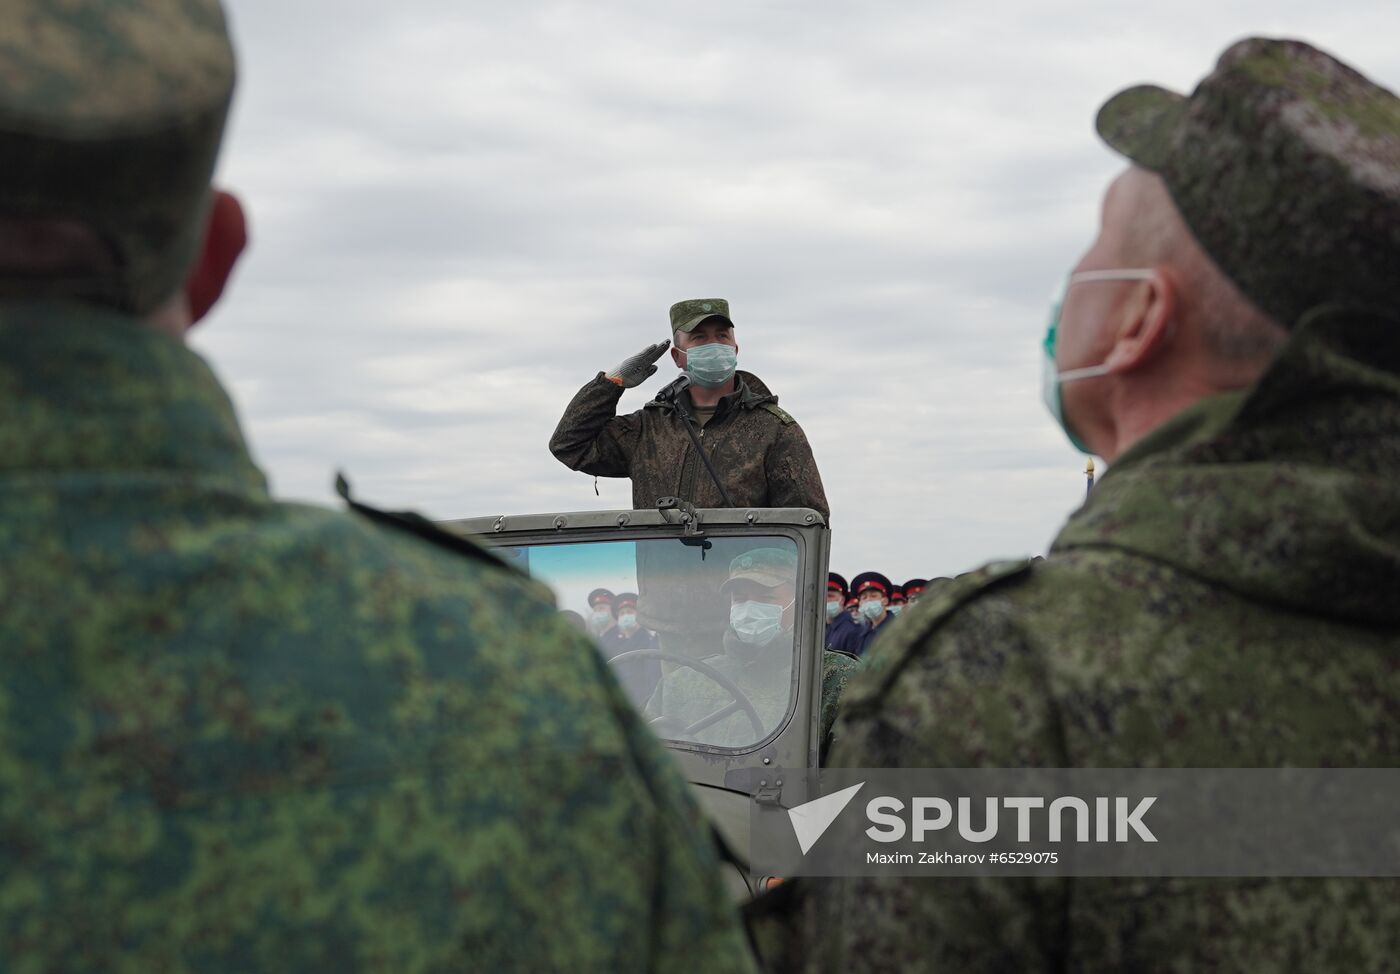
pixel 687 695
pixel 238 735
pixel 758 450
pixel 1225 598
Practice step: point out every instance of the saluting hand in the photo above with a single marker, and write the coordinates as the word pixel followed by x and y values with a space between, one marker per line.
pixel 640 367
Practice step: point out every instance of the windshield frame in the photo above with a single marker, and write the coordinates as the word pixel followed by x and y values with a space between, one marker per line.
pixel 803 621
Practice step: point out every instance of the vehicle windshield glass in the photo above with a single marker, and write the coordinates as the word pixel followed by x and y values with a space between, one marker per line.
pixel 699 631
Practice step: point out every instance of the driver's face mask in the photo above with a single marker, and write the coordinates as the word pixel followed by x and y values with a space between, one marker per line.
pixel 627 621
pixel 756 623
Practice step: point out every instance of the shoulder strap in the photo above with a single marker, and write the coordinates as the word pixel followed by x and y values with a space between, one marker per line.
pixel 779 412
pixel 420 527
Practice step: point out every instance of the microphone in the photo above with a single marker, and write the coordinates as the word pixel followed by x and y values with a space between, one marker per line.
pixel 671 390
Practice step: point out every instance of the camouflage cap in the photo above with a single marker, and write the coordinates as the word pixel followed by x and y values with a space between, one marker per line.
pixel 685 315
pixel 768 567
pixel 111 114
pixel 1285 164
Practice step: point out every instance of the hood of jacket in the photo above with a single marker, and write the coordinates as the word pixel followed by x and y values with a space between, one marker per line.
pixel 1287 492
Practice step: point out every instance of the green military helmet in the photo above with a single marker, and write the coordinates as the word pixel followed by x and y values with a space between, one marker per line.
pixel 769 567
pixel 111 114
pixel 685 315
pixel 1285 164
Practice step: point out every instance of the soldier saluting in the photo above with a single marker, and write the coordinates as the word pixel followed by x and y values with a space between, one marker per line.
pixel 757 454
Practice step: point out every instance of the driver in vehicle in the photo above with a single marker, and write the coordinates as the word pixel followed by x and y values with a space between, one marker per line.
pixel 692 704
pixel 757 660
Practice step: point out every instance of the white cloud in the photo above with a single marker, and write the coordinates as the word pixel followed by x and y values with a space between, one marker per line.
pixel 462 211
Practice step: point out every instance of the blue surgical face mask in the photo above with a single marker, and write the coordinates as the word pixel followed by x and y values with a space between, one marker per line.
pixel 1052 381
pixel 833 609
pixel 871 608
pixel 895 610
pixel 627 621
pixel 756 623
pixel 598 620
pixel 711 366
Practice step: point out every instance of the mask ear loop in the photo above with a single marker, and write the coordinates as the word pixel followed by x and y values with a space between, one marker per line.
pixel 1088 277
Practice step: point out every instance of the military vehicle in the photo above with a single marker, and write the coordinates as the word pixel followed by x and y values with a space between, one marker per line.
pixel 739 725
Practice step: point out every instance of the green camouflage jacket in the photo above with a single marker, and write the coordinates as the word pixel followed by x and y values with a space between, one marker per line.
pixel 758 450
pixel 1227 597
pixel 687 695
pixel 239 735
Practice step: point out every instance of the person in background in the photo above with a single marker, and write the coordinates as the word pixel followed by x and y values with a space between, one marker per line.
pixel 896 601
pixel 913 589
pixel 602 616
pixel 842 631
pixel 872 591
pixel 638 676
pixel 853 610
pixel 758 451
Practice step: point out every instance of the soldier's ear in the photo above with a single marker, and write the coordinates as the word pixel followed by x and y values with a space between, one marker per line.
pixel 1146 328
pixel 225 236
pixel 678 357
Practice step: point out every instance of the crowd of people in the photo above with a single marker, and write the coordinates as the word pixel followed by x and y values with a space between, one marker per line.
pixel 857 611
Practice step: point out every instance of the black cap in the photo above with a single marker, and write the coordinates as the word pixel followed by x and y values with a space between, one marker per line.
pixel 869 580
pixel 603 594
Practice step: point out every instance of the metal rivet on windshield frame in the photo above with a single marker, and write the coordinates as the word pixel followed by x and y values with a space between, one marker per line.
pixel 559 522
pixel 500 524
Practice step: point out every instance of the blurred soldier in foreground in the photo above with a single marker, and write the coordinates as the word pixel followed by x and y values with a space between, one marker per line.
pixel 758 452
pixel 237 735
pixel 1226 595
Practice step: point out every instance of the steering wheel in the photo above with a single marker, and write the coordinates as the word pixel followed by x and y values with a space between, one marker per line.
pixel 740 701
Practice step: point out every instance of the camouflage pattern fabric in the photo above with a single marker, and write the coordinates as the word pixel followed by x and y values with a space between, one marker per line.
pixel 1224 598
pixel 1273 117
pixel 837 670
pixel 687 695
pixel 760 453
pixel 762 673
pixel 685 315
pixel 238 735
pixel 111 114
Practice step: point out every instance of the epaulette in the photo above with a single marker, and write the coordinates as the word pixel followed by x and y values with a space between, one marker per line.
pixel 420 527
pixel 779 412
pixel 889 654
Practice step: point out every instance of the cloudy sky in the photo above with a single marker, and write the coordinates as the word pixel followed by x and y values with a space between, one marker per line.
pixel 462 211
